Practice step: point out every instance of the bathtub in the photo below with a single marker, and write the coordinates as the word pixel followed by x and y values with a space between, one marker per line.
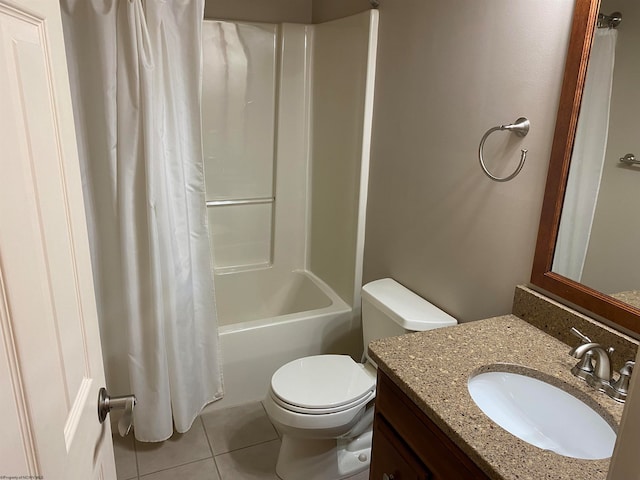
pixel 267 319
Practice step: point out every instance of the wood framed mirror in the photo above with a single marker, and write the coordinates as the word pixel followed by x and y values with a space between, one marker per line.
pixel 607 305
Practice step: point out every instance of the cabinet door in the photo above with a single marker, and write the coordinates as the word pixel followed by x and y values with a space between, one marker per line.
pixel 442 458
pixel 391 459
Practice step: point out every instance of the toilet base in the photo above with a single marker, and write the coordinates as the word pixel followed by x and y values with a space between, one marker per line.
pixel 303 459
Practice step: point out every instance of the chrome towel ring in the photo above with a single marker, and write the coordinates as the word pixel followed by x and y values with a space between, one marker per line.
pixel 520 128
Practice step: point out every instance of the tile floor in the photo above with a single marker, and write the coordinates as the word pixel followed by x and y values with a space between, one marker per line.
pixel 237 443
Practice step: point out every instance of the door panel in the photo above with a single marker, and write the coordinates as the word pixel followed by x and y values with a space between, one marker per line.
pixel 49 345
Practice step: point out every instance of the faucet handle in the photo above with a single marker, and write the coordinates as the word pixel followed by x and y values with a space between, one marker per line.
pixel 584 368
pixel 622 384
pixel 580 335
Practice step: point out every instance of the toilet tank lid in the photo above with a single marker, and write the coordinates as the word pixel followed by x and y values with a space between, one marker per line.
pixel 407 309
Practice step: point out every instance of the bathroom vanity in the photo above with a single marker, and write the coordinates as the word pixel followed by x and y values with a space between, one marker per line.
pixel 408 445
pixel 427 426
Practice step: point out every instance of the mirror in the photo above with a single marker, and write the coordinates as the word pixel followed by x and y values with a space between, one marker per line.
pixel 589 228
pixel 597 234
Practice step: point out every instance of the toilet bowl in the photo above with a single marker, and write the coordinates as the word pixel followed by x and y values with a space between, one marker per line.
pixel 307 397
pixel 323 404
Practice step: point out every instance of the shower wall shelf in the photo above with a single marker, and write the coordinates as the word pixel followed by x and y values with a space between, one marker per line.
pixel 240 201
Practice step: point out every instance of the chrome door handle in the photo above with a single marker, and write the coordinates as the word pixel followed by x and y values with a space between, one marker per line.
pixel 107 403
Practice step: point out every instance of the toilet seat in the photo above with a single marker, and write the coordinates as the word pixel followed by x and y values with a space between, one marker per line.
pixel 322 384
pixel 322 411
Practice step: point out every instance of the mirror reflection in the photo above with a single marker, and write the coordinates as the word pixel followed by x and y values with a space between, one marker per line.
pixel 600 224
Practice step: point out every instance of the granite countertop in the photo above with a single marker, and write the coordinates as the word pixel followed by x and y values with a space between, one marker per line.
pixel 632 297
pixel 432 369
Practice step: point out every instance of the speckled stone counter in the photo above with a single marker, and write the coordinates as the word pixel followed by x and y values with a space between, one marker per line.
pixel 557 319
pixel 632 297
pixel 432 369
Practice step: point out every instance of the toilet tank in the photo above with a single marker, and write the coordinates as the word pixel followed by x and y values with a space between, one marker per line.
pixel 389 309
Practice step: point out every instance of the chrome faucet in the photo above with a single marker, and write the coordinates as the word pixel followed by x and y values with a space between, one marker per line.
pixel 600 376
pixel 620 388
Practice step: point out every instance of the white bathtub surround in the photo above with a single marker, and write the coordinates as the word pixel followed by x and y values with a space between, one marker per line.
pixel 239 101
pixel 298 104
pixel 136 74
pixel 278 320
pixel 255 126
pixel 287 126
pixel 344 64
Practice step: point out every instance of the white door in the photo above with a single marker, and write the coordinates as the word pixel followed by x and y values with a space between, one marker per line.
pixel 50 359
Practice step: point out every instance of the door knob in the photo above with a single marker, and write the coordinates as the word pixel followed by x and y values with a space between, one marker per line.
pixel 107 403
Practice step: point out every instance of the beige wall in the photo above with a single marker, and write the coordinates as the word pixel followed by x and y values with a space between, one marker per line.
pixel 275 11
pixel 324 10
pixel 448 71
pixel 615 234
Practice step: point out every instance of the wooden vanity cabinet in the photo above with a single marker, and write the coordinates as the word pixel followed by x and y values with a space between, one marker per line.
pixel 392 457
pixel 407 445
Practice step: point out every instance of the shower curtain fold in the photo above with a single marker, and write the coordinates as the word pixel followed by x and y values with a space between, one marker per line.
pixel 136 75
pixel 587 159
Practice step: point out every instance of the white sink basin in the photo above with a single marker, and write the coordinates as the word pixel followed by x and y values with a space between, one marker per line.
pixel 542 415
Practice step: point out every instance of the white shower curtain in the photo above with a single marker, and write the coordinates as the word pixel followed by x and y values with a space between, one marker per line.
pixel 587 160
pixel 135 71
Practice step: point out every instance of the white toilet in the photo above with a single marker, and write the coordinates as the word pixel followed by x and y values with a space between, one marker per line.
pixel 323 404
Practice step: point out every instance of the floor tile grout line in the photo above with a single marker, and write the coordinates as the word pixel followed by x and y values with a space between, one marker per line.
pixel 269 418
pixel 206 435
pixel 209 442
pixel 176 466
pixel 264 413
pixel 213 456
pixel 244 448
pixel 133 444
pixel 217 468
pixel 135 452
pixel 180 464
